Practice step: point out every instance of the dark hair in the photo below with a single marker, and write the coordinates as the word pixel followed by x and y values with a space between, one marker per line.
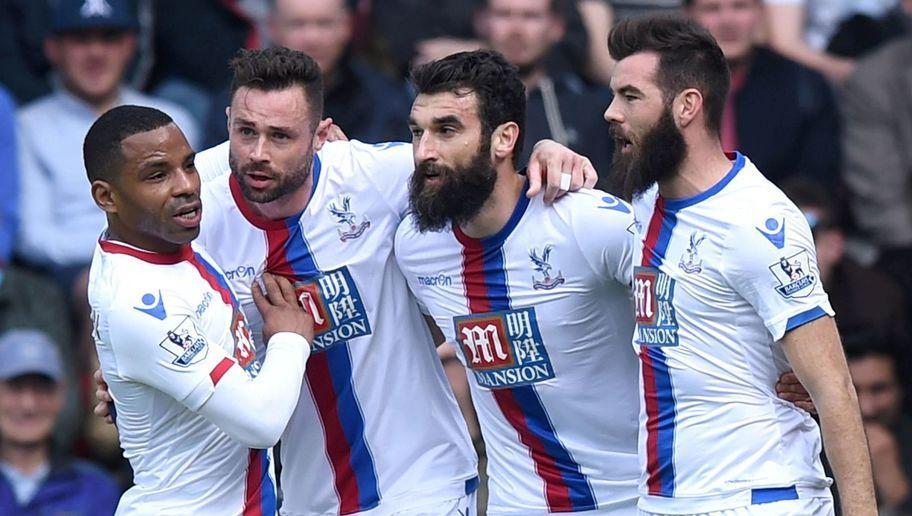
pixel 689 57
pixel 861 342
pixel 278 68
pixel 101 149
pixel 495 83
pixel 808 194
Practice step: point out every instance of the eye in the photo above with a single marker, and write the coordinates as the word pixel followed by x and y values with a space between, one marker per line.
pixel 629 98
pixel 246 131
pixel 280 136
pixel 155 177
pixel 448 130
pixel 416 133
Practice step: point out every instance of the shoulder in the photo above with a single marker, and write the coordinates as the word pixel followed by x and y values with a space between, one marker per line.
pixel 872 72
pixel 383 164
pixel 410 239
pixel 213 162
pixel 588 209
pixel 7 104
pixel 92 473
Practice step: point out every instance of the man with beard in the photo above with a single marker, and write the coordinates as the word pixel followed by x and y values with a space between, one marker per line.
pixel 727 296
pixel 533 298
pixel 362 440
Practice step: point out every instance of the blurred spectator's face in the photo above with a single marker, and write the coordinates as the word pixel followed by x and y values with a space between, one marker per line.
pixel 454 173
pixel 272 142
pixel 92 62
pixel 522 30
pixel 648 145
pixel 29 406
pixel 732 22
pixel 319 28
pixel 878 389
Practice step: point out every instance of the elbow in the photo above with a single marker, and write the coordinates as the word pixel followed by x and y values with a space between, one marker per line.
pixel 264 434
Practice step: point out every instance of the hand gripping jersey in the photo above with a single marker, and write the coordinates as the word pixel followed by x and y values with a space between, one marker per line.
pixel 540 313
pixel 165 327
pixel 719 279
pixel 378 421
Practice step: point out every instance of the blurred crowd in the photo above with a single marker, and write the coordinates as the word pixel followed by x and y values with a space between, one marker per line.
pixel 821 101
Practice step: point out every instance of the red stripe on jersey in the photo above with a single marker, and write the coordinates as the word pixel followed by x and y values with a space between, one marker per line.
pixel 184 253
pixel 338 450
pixel 213 282
pixel 652 234
pixel 220 369
pixel 253 495
pixel 277 259
pixel 473 278
pixel 556 491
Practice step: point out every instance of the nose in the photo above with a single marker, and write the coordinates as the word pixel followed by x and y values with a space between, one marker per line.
pixel 186 182
pixel 613 113
pixel 259 152
pixel 425 149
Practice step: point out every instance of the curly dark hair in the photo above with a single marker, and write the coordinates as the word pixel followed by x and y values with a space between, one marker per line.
pixel 486 73
pixel 689 57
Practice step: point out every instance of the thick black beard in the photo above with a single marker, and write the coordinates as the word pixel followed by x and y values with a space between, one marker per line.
pixel 656 157
pixel 461 194
pixel 286 183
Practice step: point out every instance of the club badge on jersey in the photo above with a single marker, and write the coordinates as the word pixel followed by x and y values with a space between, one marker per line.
pixel 504 349
pixel 347 218
pixel 542 265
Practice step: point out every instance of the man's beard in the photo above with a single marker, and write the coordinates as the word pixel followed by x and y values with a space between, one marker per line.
pixel 656 157
pixel 285 182
pixel 459 196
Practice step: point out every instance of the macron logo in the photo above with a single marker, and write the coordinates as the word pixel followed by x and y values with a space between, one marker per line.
pixel 153 306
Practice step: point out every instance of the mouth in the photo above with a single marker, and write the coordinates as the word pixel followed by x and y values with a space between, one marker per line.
pixel 623 144
pixel 189 215
pixel 258 180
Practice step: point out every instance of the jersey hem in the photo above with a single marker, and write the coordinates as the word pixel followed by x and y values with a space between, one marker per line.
pixel 719 502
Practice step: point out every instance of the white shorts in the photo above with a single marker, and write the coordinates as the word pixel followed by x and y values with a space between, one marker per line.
pixel 802 507
pixel 463 506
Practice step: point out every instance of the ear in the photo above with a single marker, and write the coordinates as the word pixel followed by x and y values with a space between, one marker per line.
pixel 228 118
pixel 503 140
pixel 687 107
pixel 103 194
pixel 321 133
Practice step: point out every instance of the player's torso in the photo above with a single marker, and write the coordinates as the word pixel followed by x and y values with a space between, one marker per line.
pixel 546 345
pixel 708 364
pixel 178 457
pixel 376 420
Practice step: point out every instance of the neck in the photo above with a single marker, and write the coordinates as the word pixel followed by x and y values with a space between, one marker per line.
pixel 288 205
pixel 500 205
pixel 531 79
pixel 115 232
pixel 99 104
pixel 704 165
pixel 26 459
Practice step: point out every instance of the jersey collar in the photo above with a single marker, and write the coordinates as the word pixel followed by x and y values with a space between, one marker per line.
pixel 112 247
pixel 260 221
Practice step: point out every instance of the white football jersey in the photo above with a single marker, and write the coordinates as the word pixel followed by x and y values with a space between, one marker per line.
pixel 719 279
pixel 541 315
pixel 377 421
pixel 167 327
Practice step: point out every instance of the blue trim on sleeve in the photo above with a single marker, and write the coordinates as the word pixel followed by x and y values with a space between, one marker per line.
pixel 679 204
pixel 804 318
pixel 773 494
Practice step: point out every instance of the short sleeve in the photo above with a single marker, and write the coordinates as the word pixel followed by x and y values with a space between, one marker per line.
pixel 157 342
pixel 772 263
pixel 603 227
pixel 390 166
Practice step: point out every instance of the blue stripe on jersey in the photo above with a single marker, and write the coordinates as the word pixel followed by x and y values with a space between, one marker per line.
pixel 268 503
pixel 666 427
pixel 338 356
pixel 581 494
pixel 804 317
pixel 773 494
pixel 222 282
pixel 667 405
pixel 352 420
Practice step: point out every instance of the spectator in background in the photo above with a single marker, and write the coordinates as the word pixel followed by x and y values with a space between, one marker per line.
pixel 866 299
pixel 366 104
pixel 9 179
pixel 32 479
pixel 90 46
pixel 876 105
pixel 778 112
pixel 872 364
pixel 560 103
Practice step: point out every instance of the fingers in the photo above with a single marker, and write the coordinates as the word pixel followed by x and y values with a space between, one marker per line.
pixel 99 378
pixel 102 395
pixel 788 377
pixel 259 298
pixel 807 406
pixel 101 409
pixel 273 290
pixel 534 173
pixel 555 167
pixel 287 289
pixel 576 172
pixel 590 175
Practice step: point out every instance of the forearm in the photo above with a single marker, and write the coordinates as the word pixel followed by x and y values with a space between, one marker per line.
pixel 846 447
pixel 256 411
